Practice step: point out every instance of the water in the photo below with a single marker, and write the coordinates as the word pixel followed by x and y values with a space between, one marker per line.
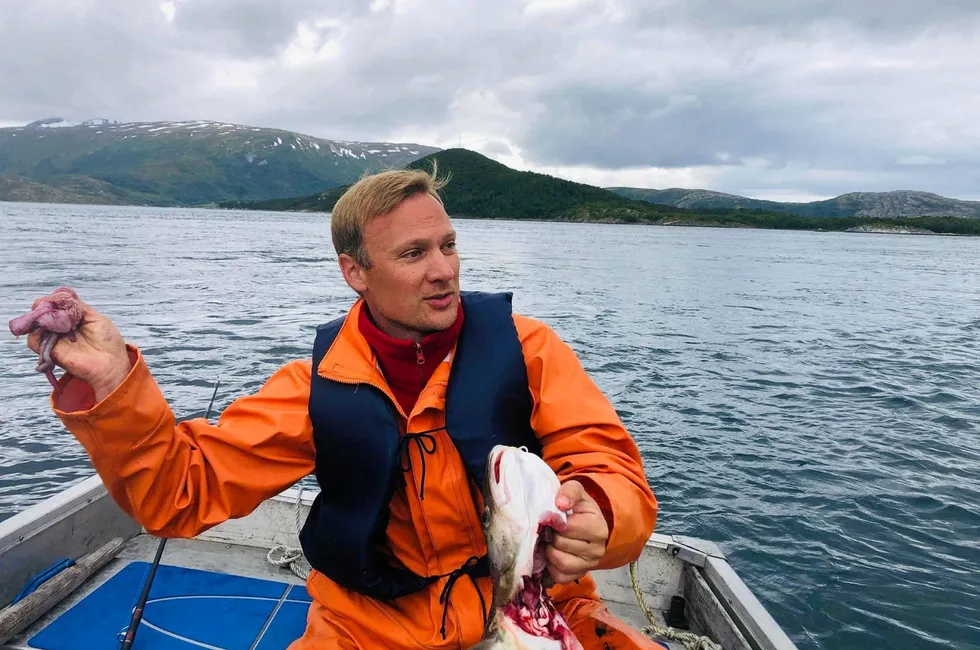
pixel 810 401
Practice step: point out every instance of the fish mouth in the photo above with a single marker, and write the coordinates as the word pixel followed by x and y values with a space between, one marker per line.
pixel 532 610
pixel 549 524
pixel 529 607
pixel 532 561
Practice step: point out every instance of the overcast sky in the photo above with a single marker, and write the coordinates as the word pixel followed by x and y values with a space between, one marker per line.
pixel 782 99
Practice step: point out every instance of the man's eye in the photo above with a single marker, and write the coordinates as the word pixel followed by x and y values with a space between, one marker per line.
pixel 413 253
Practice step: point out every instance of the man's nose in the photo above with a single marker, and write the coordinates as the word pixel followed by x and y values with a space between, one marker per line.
pixel 440 270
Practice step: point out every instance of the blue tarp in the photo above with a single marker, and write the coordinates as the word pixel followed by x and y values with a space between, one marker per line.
pixel 186 608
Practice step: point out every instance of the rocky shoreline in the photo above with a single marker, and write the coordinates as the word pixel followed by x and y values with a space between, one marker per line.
pixel 889 229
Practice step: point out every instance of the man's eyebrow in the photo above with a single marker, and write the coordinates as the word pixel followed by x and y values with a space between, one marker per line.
pixel 415 243
pixel 422 242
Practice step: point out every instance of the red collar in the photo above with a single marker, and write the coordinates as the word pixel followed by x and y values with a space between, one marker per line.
pixel 407 366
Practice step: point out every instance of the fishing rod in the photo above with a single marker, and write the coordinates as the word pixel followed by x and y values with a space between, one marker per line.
pixel 137 616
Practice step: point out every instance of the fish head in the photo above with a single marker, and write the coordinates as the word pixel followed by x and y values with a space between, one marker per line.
pixel 520 518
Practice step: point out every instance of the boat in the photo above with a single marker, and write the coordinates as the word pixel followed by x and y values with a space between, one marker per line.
pixel 76 565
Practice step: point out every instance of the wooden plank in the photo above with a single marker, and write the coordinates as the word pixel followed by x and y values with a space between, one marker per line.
pixel 708 614
pixel 18 616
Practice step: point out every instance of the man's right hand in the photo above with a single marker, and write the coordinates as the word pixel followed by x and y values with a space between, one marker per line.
pixel 97 356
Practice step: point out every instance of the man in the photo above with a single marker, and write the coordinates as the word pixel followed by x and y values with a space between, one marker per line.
pixel 394 413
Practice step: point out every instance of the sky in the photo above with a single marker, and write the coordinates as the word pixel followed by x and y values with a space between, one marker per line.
pixel 779 99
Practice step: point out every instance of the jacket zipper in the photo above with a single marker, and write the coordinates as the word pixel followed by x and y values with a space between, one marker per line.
pixel 383 389
pixel 421 361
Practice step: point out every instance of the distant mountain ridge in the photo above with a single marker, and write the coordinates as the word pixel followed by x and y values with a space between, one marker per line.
pixel 899 203
pixel 181 163
pixel 201 162
pixel 483 188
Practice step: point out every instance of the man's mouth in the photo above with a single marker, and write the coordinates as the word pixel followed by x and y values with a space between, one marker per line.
pixel 440 300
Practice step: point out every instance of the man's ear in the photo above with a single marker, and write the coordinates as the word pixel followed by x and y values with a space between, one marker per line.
pixel 353 273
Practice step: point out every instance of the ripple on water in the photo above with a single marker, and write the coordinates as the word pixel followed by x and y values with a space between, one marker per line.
pixel 808 401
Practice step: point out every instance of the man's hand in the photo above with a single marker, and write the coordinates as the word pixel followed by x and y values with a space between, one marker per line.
pixel 578 550
pixel 97 356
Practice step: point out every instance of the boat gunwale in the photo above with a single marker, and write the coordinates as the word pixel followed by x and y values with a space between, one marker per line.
pixel 750 615
pixel 69 524
pixel 729 591
pixel 32 520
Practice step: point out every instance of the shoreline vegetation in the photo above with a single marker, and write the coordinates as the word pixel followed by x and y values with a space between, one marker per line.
pixel 481 188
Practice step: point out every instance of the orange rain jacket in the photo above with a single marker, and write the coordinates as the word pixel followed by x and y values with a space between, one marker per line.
pixel 179 479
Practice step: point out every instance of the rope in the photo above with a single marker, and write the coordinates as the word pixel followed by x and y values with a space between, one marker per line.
pixel 291 555
pixel 690 640
pixel 41 578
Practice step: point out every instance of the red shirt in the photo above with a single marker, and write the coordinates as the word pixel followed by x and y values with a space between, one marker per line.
pixel 407 365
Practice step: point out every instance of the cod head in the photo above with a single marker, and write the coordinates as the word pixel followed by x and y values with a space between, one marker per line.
pixel 520 520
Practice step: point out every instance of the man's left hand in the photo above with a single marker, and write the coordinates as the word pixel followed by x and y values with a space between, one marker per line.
pixel 578 550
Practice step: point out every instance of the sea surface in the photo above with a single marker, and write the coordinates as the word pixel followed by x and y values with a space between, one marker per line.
pixel 809 401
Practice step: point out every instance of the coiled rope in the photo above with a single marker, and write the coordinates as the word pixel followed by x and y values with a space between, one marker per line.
pixel 292 555
pixel 690 640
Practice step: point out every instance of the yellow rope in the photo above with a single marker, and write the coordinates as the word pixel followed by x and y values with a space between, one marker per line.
pixel 691 641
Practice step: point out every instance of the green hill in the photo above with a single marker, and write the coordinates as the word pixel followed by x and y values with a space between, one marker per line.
pixel 181 163
pixel 483 188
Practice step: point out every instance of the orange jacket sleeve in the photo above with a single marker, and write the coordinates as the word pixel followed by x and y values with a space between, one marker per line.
pixel 179 479
pixel 584 439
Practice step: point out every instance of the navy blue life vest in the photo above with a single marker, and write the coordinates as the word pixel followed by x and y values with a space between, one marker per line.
pixel 359 445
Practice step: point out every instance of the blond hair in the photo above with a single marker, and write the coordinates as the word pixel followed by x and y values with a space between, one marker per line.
pixel 374 196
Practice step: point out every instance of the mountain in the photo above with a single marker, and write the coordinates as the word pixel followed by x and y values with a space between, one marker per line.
pixel 902 203
pixel 484 188
pixel 697 199
pixel 181 163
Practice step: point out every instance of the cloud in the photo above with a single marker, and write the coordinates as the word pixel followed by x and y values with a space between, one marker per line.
pixel 762 97
pixel 257 29
pixel 496 148
pixel 900 20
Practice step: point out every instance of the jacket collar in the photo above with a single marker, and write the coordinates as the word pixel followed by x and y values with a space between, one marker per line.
pixel 350 357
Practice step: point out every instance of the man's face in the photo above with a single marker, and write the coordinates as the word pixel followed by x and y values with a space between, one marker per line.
pixel 412 287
